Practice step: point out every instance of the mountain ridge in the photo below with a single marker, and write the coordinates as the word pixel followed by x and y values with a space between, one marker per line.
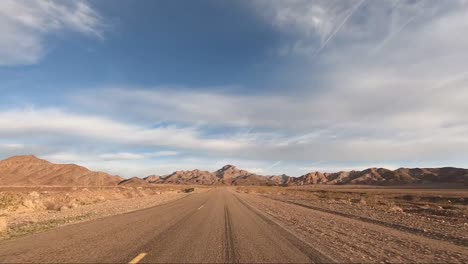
pixel 29 170
pixel 230 175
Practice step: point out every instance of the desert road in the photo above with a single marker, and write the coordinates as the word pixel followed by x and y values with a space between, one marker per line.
pixel 215 226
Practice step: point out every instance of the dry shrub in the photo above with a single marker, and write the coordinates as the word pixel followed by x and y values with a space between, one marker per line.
pixel 188 190
pixel 409 197
pixel 8 200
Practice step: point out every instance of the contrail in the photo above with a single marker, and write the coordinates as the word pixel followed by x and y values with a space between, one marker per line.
pixel 447 81
pixel 249 130
pixel 274 165
pixel 391 36
pixel 353 10
pixel 246 132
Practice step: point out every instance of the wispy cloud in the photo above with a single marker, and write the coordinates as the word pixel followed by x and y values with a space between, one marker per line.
pixel 11 146
pixel 25 25
pixel 136 156
pixel 105 157
pixel 31 123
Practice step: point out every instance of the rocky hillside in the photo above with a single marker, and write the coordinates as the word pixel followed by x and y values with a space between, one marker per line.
pixel 227 175
pixel 191 177
pixel 230 175
pixel 134 181
pixel 153 179
pixel 381 176
pixel 30 170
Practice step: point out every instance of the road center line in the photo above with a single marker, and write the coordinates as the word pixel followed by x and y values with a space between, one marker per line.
pixel 200 207
pixel 138 258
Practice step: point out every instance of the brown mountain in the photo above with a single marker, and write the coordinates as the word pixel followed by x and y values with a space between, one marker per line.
pixel 191 177
pixel 227 175
pixel 134 181
pixel 153 179
pixel 231 175
pixel 310 178
pixel 382 176
pixel 30 170
pixel 254 179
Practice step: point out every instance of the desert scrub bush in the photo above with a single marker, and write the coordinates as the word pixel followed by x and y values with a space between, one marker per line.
pixel 8 200
pixel 187 190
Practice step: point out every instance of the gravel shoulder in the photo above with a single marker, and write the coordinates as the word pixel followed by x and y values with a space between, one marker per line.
pixel 350 239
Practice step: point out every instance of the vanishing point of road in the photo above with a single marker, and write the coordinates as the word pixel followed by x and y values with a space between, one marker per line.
pixel 217 226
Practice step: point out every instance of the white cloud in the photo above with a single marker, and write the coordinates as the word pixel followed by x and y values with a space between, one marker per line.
pixel 367 121
pixel 64 156
pixel 25 24
pixel 312 24
pixel 309 18
pixel 48 123
pixel 106 144
pixel 136 156
pixel 11 146
pixel 147 165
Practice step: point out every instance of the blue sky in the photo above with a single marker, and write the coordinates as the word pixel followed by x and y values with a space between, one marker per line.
pixel 272 86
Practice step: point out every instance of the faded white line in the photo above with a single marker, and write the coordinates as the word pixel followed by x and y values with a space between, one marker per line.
pixel 200 207
pixel 138 258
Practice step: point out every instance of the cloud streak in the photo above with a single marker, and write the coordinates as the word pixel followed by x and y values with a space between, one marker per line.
pixel 48 123
pixel 26 24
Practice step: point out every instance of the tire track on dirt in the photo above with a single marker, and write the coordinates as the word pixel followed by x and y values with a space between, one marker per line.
pixel 314 255
pixel 415 231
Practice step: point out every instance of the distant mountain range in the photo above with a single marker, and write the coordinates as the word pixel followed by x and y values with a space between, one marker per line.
pixel 230 175
pixel 381 176
pixel 227 175
pixel 30 171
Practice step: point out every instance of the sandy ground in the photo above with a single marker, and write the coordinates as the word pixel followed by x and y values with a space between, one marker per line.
pixel 346 224
pixel 30 210
pixel 359 225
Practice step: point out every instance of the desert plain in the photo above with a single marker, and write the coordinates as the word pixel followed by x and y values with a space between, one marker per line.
pixel 60 213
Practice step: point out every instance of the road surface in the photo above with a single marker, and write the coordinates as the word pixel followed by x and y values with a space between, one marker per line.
pixel 215 226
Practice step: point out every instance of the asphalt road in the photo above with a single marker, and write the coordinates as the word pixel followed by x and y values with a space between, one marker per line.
pixel 216 226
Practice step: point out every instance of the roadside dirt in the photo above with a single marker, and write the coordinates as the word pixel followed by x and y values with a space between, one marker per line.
pixel 30 210
pixel 371 226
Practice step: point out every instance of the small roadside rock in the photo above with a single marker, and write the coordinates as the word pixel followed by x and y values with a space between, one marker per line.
pixel 396 209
